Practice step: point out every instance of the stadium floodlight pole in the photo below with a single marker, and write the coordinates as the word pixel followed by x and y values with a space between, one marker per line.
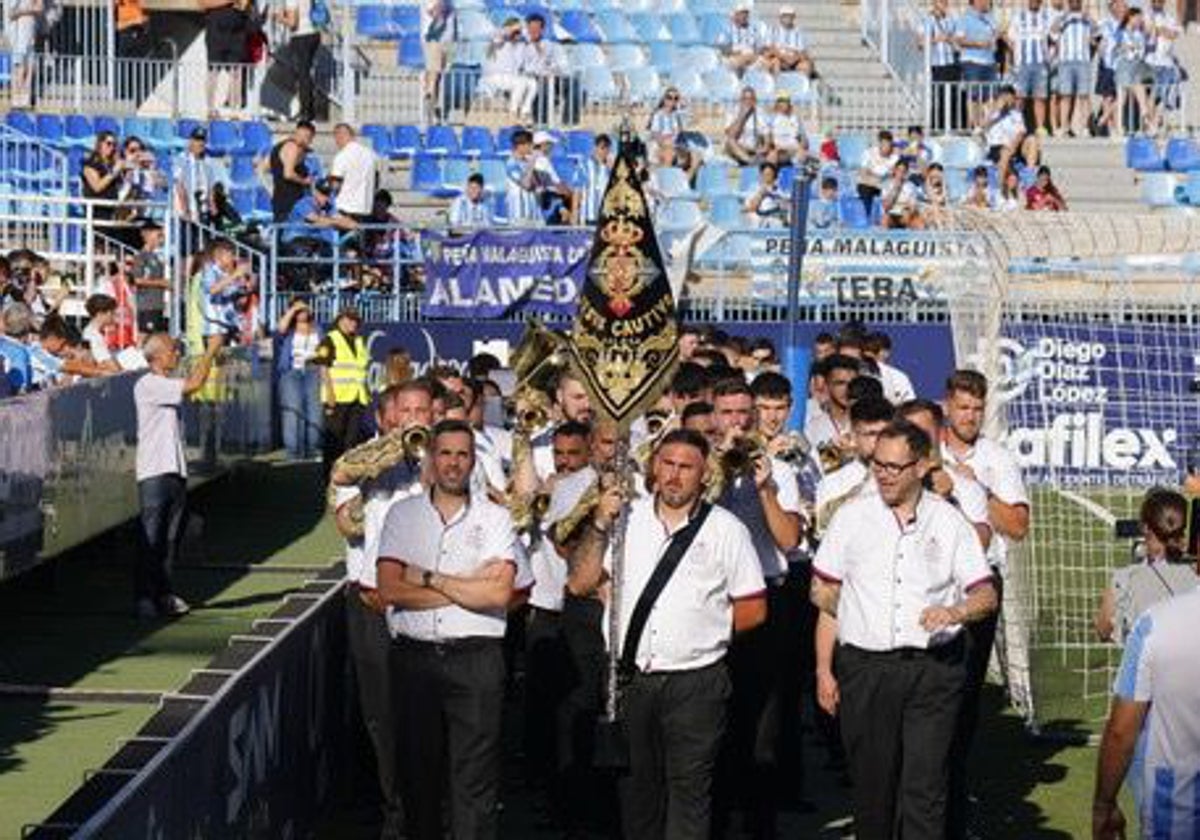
pixel 807 171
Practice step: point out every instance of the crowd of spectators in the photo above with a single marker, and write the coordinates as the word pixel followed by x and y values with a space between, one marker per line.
pixel 1056 54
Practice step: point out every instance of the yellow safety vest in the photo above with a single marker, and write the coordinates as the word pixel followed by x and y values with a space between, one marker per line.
pixel 348 371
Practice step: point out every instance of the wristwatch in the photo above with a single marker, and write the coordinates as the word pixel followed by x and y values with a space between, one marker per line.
pixel 427 578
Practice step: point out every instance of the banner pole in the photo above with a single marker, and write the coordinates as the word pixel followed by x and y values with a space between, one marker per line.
pixel 622 467
pixel 798 241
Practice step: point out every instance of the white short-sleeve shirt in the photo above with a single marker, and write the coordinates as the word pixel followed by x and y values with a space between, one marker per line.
pixel 820 428
pixel 1160 667
pixel 997 472
pixel 742 500
pixel 549 567
pixel 355 165
pixel 691 623
pixel 890 572
pixel 97 345
pixel 400 482
pixel 414 534
pixel 897 387
pixel 853 477
pixel 159 401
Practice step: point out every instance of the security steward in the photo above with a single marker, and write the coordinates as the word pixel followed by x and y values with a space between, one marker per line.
pixel 360 504
pixel 448 571
pixel 690 580
pixel 897 576
pixel 343 358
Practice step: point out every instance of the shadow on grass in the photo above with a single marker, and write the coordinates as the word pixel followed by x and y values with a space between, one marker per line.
pixel 72 617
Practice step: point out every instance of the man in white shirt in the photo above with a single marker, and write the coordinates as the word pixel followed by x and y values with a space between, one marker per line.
pixel 504 71
pixel 868 418
pixel 900 200
pixel 548 64
pixel 877 164
pixel 162 470
pixel 966 452
pixel 766 499
pixel 829 428
pixel 1005 129
pixel 747 131
pixel 742 43
pixel 897 576
pixel 448 570
pixel 676 689
pixel 1153 730
pixel 361 504
pixel 471 209
pixel 897 387
pixel 1163 31
pixel 355 169
pixel 554 196
pixel 785 48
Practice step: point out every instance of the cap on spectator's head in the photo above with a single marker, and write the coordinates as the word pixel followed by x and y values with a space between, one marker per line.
pixel 787 11
pixel 148 224
pixel 783 96
pixel 350 313
pixel 741 7
pixel 324 186
pixel 199 133
pixel 540 137
pixel 18 320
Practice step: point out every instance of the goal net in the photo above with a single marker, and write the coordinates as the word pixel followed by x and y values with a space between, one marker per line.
pixel 1086 328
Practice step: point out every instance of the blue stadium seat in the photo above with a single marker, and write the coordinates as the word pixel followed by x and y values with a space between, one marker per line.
pixel 494 173
pixel 961 153
pixel 726 212
pixel 406 141
pixel 500 207
pixel 598 84
pixel 376 22
pixel 455 171
pixel 701 58
pixel 664 57
pixel 241 172
pixel 580 142
pixel 224 136
pixel 684 29
pixel 1191 189
pixel 50 128
pixel 5 68
pixel 426 172
pixel 256 138
pixel 77 131
pixel 854 215
pixel 407 20
pixel 183 129
pixel 747 180
pixel 762 82
pixel 644 85
pixel 1183 154
pixel 242 199
pixel 787 175
pixel 441 140
pixel 380 138
pixel 712 180
pixel 795 85
pixel 1141 153
pixel 622 57
pixel 106 123
pixel 477 140
pixel 689 82
pixel 721 84
pixel 474 25
pixel 1158 189
pixel 714 27
pixel 262 205
pixel 672 182
pixel 582 56
pixel 679 216
pixel 615 28
pixel 649 27
pixel 409 53
pixel 578 24
pixel 22 122
pixel 851 148
pixel 135 127
pixel 504 137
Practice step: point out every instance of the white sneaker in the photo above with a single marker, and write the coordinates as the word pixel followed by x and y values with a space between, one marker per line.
pixel 173 606
pixel 145 610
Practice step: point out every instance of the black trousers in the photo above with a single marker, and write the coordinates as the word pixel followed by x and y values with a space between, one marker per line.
pixel 898 713
pixel 947 110
pixel 749 773
pixel 370 651
pixel 163 502
pixel 547 674
pixel 448 699
pixel 588 797
pixel 675 721
pixel 980 637
pixel 304 54
pixel 342 430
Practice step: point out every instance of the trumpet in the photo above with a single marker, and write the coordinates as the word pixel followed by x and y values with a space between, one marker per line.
pixel 532 408
pixel 738 461
pixel 795 453
pixel 415 441
pixel 832 456
pixel 656 422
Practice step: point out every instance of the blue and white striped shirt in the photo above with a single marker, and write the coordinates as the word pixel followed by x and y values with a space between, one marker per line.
pixel 786 37
pixel 593 190
pixel 1131 45
pixel 1108 42
pixel 667 122
pixel 1074 35
pixel 1161 51
pixel 465 213
pixel 941 53
pixel 1030 36
pixel 977 27
pixel 523 207
pixel 744 38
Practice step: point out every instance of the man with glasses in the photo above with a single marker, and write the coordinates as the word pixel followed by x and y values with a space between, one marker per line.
pixel 896 578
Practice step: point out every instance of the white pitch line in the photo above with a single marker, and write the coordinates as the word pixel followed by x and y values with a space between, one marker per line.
pixel 1099 511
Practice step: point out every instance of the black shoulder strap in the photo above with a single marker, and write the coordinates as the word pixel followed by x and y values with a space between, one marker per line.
pixel 667 564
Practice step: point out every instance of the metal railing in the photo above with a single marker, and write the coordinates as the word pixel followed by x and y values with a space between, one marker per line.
pixel 895 29
pixel 29 166
pixel 864 107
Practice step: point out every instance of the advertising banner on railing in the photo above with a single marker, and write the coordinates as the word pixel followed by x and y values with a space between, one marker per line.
pixel 1102 404
pixel 924 351
pixel 489 274
pixel 857 268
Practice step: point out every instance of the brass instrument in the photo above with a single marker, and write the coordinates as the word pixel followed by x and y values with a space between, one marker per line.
pixel 656 422
pixel 538 361
pixel 824 514
pixel 737 461
pixel 561 531
pixel 416 440
pixel 833 457
pixel 369 460
pixel 795 453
